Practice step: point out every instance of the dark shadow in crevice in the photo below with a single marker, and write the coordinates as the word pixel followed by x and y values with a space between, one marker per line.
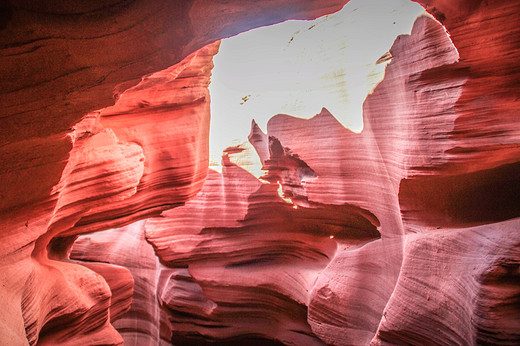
pixel 481 197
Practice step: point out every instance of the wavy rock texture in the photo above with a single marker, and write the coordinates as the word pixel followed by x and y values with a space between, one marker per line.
pixel 62 61
pixel 126 247
pixel 404 234
pixel 257 263
pixel 145 154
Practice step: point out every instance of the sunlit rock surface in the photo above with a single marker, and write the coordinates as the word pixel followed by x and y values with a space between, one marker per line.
pixel 147 153
pixel 126 247
pixel 299 67
pixel 406 233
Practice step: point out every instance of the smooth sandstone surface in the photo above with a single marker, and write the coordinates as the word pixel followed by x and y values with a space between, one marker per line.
pixel 114 229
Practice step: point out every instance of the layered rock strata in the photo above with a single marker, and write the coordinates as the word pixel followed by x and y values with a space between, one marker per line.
pixel 422 206
pixel 339 242
pixel 147 153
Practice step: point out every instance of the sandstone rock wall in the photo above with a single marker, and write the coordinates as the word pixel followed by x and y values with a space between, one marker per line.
pixel 404 234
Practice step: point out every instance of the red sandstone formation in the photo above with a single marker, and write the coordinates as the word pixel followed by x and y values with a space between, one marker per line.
pixel 145 154
pixel 404 234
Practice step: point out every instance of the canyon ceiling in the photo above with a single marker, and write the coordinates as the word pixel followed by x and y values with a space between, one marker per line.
pixel 114 229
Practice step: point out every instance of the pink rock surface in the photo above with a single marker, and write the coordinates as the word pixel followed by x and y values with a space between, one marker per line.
pixel 126 163
pixel 404 234
pixel 126 247
pixel 250 258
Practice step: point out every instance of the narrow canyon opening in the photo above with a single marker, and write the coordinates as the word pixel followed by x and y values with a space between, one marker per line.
pixel 299 67
pixel 338 175
pixel 253 218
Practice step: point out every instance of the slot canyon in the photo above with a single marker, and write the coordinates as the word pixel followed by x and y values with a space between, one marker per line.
pixel 277 172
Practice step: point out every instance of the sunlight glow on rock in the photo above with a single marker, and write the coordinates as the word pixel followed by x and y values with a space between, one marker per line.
pixel 299 67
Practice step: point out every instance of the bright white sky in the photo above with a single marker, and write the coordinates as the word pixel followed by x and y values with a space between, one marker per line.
pixel 299 67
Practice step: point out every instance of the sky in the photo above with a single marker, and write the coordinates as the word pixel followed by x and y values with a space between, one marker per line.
pixel 298 67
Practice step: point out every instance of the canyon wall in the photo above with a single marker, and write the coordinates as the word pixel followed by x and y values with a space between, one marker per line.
pixel 404 234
